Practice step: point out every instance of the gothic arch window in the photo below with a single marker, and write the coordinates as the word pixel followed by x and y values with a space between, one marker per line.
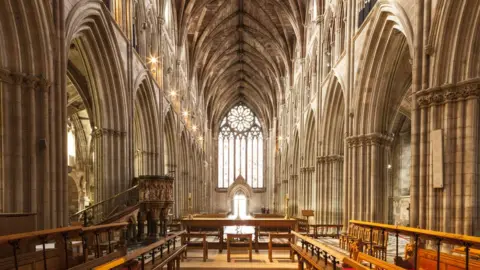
pixel 240 148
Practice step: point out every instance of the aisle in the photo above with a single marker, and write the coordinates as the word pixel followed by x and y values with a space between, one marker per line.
pixel 239 261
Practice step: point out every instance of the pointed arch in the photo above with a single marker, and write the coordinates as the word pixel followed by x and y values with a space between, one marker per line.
pixel 146 129
pixel 383 83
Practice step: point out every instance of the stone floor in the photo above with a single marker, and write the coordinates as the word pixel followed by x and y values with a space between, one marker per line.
pixel 239 260
pixel 391 247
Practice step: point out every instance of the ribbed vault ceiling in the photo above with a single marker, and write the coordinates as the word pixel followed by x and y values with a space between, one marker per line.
pixel 241 49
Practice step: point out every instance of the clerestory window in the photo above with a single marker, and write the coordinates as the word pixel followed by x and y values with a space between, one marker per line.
pixel 240 148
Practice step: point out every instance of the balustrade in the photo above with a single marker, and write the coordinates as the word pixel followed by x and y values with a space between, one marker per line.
pixel 55 248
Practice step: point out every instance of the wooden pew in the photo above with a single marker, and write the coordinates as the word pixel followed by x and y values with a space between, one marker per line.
pixel 427 259
pixel 363 258
pixel 60 255
pixel 163 252
pixel 309 253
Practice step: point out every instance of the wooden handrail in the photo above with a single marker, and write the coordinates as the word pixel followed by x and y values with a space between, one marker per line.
pixel 104 201
pixel 105 227
pixel 377 262
pixel 339 256
pixel 139 252
pixel 453 238
pixel 28 235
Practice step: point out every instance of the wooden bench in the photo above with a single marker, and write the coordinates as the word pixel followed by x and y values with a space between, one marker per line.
pixel 427 259
pixel 239 242
pixel 377 263
pixel 279 244
pixel 189 239
pixel 213 231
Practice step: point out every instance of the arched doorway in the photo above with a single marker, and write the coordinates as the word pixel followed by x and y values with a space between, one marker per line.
pixel 240 205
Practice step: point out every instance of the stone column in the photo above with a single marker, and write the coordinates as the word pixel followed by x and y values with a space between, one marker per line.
pixel 367 177
pixel 454 110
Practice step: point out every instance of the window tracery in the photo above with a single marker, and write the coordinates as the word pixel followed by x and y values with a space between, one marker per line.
pixel 240 148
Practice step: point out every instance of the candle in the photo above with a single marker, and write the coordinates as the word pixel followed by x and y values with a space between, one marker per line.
pixel 286 196
pixel 189 195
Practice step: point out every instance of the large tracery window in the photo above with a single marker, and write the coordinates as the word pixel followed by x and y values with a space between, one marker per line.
pixel 240 148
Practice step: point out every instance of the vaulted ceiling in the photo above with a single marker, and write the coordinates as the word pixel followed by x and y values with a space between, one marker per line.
pixel 240 50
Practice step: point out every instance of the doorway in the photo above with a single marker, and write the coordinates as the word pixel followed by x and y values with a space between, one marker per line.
pixel 240 206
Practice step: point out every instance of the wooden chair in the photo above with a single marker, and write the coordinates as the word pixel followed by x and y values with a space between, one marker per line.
pixel 196 241
pixel 344 237
pixel 239 242
pixel 280 241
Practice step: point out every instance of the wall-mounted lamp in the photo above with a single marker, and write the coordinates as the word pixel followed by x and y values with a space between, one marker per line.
pixel 153 60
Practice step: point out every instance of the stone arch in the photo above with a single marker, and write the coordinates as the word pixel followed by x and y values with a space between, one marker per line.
pixel 146 130
pixel 455 47
pixel 379 97
pixel 26 73
pixel 170 140
pixel 88 27
pixel 330 160
pixel 383 88
pixel 297 161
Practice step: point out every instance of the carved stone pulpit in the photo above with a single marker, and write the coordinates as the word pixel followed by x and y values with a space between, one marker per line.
pixel 156 200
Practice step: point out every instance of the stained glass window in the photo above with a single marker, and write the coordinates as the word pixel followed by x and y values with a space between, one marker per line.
pixel 240 148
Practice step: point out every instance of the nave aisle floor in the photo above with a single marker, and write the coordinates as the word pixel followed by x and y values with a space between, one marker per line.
pixel 239 260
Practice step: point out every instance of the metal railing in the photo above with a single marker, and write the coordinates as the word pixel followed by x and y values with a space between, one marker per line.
pixel 98 212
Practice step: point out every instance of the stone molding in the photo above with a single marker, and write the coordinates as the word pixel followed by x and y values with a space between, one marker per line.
pixel 100 132
pixel 369 139
pixel 146 153
pixel 307 169
pixel 28 80
pixel 329 158
pixel 449 93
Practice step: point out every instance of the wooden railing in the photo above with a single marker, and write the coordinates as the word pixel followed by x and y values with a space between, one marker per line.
pixel 416 252
pixel 25 247
pixel 98 212
pixel 316 255
pixel 147 256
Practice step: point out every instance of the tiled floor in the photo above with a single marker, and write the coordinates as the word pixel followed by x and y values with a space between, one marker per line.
pixel 239 261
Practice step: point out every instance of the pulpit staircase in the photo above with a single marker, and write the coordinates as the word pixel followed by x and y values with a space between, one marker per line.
pixel 116 208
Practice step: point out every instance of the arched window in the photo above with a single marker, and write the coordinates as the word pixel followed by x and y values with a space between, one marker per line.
pixel 240 148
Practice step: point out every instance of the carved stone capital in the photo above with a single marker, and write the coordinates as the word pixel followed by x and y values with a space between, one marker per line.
pixel 101 132
pixel 369 139
pixel 329 159
pixel 17 78
pixel 31 82
pixel 449 93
